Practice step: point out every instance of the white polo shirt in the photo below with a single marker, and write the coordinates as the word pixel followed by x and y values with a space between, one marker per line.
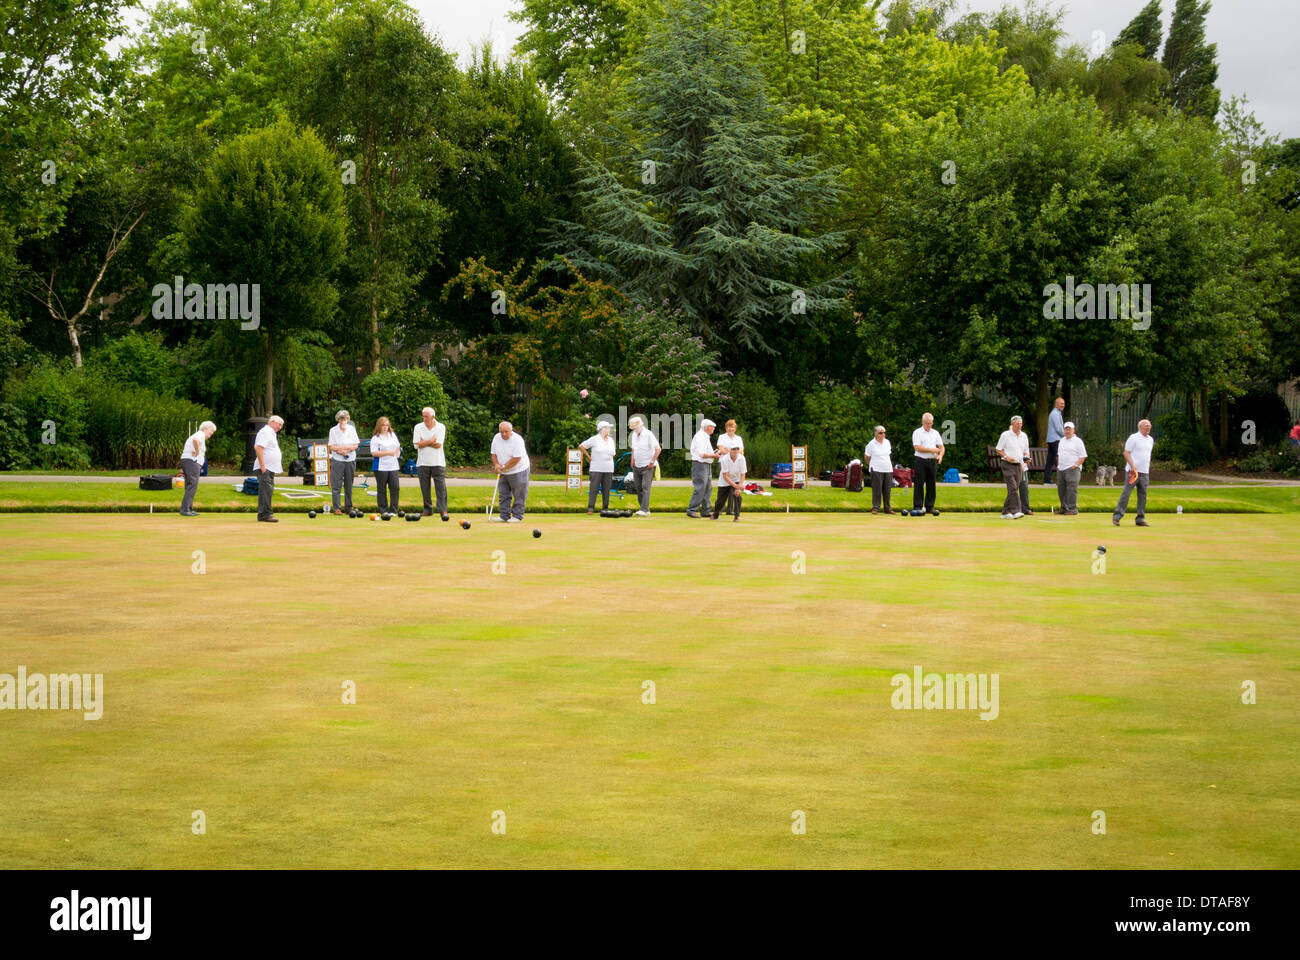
pixel 389 446
pixel 877 454
pixel 602 450
pixel 431 456
pixel 1069 451
pixel 734 469
pixel 506 450
pixel 342 436
pixel 1139 448
pixel 643 447
pixel 701 445
pixel 266 439
pixel 922 437
pixel 1015 447
pixel 188 454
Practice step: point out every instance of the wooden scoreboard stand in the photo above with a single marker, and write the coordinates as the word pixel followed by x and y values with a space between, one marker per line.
pixel 799 466
pixel 320 462
pixel 573 468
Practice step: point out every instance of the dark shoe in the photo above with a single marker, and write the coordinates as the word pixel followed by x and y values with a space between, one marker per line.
pixel 1029 513
pixel 933 512
pixel 693 516
pixel 338 513
pixel 1115 520
pixel 874 510
pixel 428 512
pixel 591 509
pixel 735 518
pixel 1142 523
pixel 715 516
pixel 268 520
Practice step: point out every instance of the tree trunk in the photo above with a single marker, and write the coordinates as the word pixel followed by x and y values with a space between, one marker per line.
pixel 374 336
pixel 76 342
pixel 1223 420
pixel 1151 402
pixel 1205 418
pixel 1042 403
pixel 268 402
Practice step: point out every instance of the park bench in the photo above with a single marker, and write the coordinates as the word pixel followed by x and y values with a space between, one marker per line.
pixel 1037 461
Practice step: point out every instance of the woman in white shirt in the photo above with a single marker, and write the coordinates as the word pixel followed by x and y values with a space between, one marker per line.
pixel 726 442
pixel 878 454
pixel 600 450
pixel 343 443
pixel 193 456
pixel 386 448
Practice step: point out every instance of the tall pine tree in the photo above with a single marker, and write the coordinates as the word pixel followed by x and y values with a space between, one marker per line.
pixel 710 211
pixel 1191 62
pixel 1144 30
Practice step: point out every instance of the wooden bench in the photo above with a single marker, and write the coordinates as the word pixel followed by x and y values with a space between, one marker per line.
pixel 1037 461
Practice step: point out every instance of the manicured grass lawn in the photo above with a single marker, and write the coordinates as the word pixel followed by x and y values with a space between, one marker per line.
pixel 98 497
pixel 522 692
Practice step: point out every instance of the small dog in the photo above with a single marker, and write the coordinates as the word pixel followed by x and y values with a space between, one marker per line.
pixel 1106 476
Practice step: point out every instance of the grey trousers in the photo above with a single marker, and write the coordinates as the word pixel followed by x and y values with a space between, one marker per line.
pixel 1142 496
pixel 342 473
pixel 191 470
pixel 881 485
pixel 1067 489
pixel 1011 473
pixel 265 491
pixel 701 485
pixel 512 491
pixel 645 477
pixel 438 475
pixel 602 482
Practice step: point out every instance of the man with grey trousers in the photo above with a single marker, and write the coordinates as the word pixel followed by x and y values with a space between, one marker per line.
pixel 702 455
pixel 269 463
pixel 645 456
pixel 1137 469
pixel 1069 469
pixel 510 461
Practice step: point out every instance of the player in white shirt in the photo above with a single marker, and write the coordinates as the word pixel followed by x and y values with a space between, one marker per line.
pixel 1137 467
pixel 600 450
pixel 702 455
pixel 1070 454
pixel 878 454
pixel 510 461
pixel 342 445
pixel 269 463
pixel 728 440
pixel 386 449
pixel 731 483
pixel 430 438
pixel 645 456
pixel 927 447
pixel 193 455
pixel 1013 449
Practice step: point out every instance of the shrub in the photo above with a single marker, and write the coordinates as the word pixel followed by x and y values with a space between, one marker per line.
pixel 756 407
pixel 764 449
pixel 976 424
pixel 834 418
pixel 129 427
pixel 470 427
pixel 1181 438
pixel 1172 465
pixel 1263 407
pixel 50 392
pixel 399 395
pixel 15 452
pixel 1283 458
pixel 138 359
pixel 569 432
pixel 62 456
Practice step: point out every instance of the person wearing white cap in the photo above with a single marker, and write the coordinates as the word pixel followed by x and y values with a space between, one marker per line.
pixel 878 454
pixel 1013 449
pixel 193 455
pixel 600 450
pixel 1070 454
pixel 645 457
pixel 702 453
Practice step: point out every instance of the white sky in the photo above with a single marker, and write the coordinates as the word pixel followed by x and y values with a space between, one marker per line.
pixel 1256 41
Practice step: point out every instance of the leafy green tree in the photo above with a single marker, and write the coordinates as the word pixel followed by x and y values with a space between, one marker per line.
pixel 515 173
pixel 381 96
pixel 709 211
pixel 277 190
pixel 1192 63
pixel 568 38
